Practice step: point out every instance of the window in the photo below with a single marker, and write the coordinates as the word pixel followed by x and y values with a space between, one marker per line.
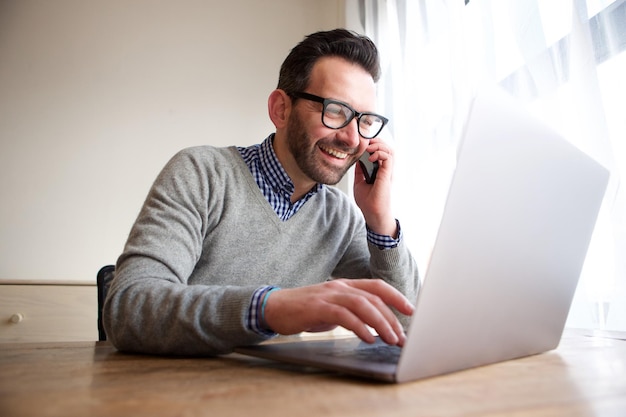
pixel 566 59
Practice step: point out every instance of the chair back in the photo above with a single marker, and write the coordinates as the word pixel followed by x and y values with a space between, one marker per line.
pixel 104 279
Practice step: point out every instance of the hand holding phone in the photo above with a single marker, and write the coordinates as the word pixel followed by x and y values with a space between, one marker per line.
pixel 369 168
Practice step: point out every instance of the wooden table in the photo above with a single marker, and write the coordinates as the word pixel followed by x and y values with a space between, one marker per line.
pixel 585 376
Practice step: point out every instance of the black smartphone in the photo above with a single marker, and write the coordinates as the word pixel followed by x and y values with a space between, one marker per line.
pixel 369 168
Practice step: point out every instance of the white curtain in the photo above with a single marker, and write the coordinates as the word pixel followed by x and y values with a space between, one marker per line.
pixel 566 59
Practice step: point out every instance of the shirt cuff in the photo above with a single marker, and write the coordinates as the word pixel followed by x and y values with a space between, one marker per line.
pixel 254 318
pixel 384 242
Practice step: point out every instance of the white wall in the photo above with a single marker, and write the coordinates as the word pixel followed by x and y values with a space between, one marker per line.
pixel 95 96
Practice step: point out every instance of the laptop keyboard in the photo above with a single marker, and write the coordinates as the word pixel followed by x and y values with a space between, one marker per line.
pixel 376 353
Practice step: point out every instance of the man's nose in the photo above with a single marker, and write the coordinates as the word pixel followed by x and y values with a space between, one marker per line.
pixel 349 134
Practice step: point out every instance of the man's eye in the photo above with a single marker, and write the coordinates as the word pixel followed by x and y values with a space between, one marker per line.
pixel 334 110
pixel 368 120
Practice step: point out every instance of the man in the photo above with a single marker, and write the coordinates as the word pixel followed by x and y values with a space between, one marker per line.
pixel 235 245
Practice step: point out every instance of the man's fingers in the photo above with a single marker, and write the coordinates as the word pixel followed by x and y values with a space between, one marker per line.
pixel 352 304
pixel 372 310
pixel 347 319
pixel 357 310
pixel 388 294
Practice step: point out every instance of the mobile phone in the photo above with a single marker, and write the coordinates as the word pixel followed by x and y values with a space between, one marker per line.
pixel 369 168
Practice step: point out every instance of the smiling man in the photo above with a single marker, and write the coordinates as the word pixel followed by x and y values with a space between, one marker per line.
pixel 235 245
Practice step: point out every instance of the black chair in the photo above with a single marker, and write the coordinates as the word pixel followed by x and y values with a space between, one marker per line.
pixel 103 279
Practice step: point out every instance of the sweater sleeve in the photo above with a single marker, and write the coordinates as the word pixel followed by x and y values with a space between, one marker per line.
pixel 151 307
pixel 398 268
pixel 395 265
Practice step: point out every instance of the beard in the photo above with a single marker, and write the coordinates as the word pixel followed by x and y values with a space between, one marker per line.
pixel 305 152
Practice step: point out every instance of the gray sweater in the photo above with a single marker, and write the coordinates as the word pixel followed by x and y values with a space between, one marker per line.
pixel 206 239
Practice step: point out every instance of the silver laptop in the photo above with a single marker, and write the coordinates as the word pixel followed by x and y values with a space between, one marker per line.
pixel 519 216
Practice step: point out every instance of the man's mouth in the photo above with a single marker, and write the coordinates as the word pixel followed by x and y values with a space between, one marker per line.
pixel 334 152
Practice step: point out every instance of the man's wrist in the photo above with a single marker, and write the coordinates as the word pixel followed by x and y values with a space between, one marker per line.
pixel 256 311
pixel 385 241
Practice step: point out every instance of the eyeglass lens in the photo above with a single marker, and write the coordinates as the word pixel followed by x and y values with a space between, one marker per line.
pixel 337 115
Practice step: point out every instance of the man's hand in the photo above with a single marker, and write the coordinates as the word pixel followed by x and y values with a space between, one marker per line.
pixel 349 303
pixel 374 200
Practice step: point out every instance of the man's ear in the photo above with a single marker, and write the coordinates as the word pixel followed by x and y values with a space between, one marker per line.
pixel 279 108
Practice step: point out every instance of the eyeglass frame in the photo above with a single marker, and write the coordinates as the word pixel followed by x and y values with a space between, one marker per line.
pixel 355 114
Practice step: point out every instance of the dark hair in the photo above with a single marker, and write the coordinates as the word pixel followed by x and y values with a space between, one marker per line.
pixel 295 71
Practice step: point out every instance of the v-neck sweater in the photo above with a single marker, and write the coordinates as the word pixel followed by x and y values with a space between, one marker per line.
pixel 206 238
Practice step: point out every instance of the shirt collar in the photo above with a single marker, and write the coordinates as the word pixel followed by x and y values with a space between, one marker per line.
pixel 274 172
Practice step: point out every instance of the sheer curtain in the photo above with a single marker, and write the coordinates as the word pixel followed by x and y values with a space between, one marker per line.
pixel 566 59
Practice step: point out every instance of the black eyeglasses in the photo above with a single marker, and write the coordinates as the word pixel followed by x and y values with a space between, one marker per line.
pixel 336 114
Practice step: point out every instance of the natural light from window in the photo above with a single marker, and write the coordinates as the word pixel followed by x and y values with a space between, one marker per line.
pixel 565 59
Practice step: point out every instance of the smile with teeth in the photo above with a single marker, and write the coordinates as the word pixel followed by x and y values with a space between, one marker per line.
pixel 334 152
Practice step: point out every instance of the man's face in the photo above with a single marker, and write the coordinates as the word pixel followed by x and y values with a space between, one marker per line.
pixel 322 154
pixel 307 152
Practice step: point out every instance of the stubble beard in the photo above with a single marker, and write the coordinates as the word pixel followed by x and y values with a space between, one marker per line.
pixel 304 153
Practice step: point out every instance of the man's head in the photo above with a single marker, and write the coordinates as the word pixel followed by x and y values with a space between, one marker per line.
pixel 311 143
